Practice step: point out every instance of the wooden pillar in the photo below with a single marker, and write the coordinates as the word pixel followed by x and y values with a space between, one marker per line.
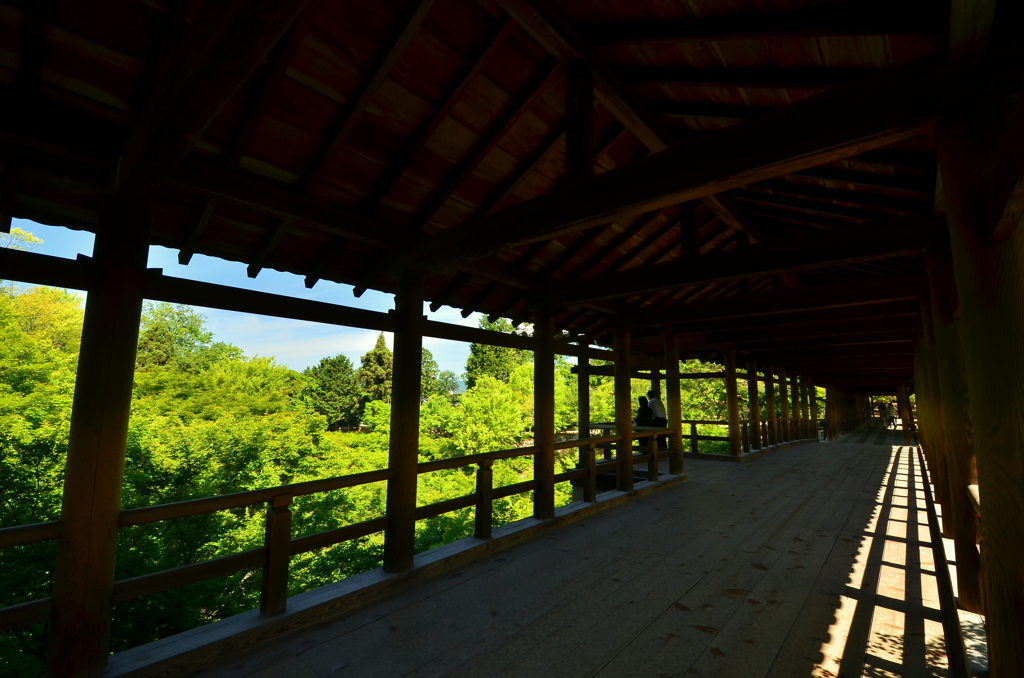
pixel 904 408
pixel 579 127
pixel 623 409
pixel 991 301
pixel 87 549
pixel 583 395
pixel 830 413
pixel 935 450
pixel 957 518
pixel 812 395
pixel 674 405
pixel 544 415
pixel 786 432
pixel 805 416
pixel 403 452
pixel 732 403
pixel 769 394
pixel 755 405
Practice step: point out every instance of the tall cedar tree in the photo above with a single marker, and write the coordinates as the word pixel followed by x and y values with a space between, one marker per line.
pixel 493 361
pixel 375 374
pixel 333 391
pixel 433 381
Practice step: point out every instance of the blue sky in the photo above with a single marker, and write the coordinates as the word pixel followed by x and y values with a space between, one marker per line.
pixel 293 343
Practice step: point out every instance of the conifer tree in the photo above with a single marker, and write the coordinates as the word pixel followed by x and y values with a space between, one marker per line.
pixel 375 373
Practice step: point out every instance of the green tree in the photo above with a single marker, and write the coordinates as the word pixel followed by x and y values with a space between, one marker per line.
pixel 331 388
pixel 374 374
pixel 171 334
pixel 493 361
pixel 435 382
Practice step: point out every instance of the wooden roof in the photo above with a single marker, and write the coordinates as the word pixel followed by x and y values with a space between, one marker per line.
pixel 348 140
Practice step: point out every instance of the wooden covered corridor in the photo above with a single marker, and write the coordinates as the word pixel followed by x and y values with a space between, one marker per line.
pixel 817 562
pixel 804 193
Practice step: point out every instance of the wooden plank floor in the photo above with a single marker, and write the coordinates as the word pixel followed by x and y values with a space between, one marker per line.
pixel 814 560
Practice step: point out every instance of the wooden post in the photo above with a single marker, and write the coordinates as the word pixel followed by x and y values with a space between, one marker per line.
pixel 755 405
pixel 652 463
pixel 785 432
pixel 87 549
pixel 484 499
pixel 403 453
pixel 694 440
pixel 732 403
pixel 674 405
pixel 904 411
pixel 991 302
pixel 278 537
pixel 812 395
pixel 590 482
pixel 579 119
pixel 544 415
pixel 769 392
pixel 805 414
pixel 957 518
pixel 623 409
pixel 583 395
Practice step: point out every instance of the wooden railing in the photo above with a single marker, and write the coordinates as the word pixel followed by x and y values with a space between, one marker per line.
pixel 279 546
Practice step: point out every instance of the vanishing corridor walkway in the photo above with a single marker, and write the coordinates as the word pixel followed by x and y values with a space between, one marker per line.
pixel 814 560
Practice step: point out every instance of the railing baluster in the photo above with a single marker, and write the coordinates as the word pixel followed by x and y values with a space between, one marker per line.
pixel 590 482
pixel 274 596
pixel 694 445
pixel 484 499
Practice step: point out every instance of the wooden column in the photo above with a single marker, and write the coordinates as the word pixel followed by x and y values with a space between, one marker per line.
pixel 755 405
pixel 769 393
pixel 579 122
pixel 785 429
pixel 904 411
pixel 929 383
pixel 674 405
pixel 623 409
pixel 732 403
pixel 991 302
pixel 403 453
pixel 583 395
pixel 957 518
pixel 544 415
pixel 812 401
pixel 87 549
pixel 805 413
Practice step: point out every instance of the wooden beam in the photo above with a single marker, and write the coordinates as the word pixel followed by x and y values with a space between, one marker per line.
pixel 266 197
pixel 407 27
pixel 579 116
pixel 747 78
pixel 876 111
pixel 233 43
pixel 773 332
pixel 474 65
pixel 902 236
pixel 905 18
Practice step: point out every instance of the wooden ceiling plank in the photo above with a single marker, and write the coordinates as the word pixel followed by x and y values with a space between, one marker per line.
pixel 407 28
pixel 426 130
pixel 234 38
pixel 493 286
pixel 907 18
pixel 32 45
pixel 871 113
pixel 747 78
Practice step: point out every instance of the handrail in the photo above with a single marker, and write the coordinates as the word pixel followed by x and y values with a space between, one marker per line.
pixel 20 535
pixel 192 507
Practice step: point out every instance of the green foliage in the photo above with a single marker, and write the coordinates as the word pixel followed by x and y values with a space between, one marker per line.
pixel 331 389
pixel 497 362
pixel 176 336
pixel 374 375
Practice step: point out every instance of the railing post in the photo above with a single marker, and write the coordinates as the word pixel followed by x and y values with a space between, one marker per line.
pixel 403 452
pixel 544 415
pixel 694 442
pixel 652 465
pixel 484 499
pixel 769 394
pixel 94 472
pixel 583 393
pixel 590 484
pixel 746 437
pixel 623 409
pixel 277 539
pixel 812 397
